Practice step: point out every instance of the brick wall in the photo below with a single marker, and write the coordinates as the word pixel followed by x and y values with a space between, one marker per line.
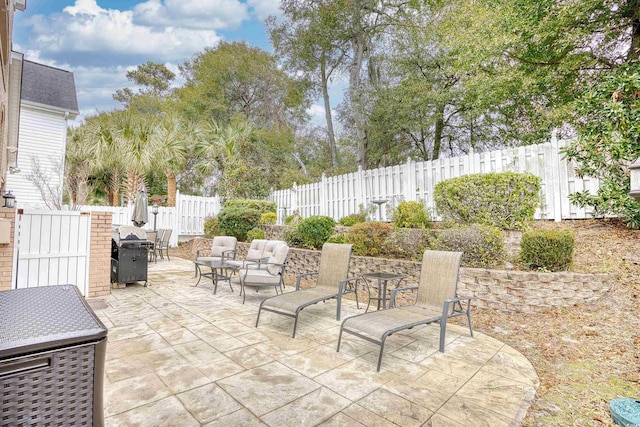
pixel 100 254
pixel 6 251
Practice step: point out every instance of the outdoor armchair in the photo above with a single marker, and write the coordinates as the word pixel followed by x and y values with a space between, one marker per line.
pixel 436 301
pixel 222 248
pixel 270 273
pixel 332 282
pixel 163 243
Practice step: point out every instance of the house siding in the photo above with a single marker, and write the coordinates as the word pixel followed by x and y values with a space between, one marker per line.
pixel 42 135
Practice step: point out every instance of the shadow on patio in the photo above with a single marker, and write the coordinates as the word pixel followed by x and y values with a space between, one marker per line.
pixel 179 355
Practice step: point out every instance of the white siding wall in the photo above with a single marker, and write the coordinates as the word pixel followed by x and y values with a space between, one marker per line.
pixel 42 134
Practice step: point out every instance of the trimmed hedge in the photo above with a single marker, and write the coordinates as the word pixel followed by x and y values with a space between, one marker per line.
pixel 313 232
pixel 503 200
pixel 368 238
pixel 483 246
pixel 238 220
pixel 262 206
pixel 411 215
pixel 549 250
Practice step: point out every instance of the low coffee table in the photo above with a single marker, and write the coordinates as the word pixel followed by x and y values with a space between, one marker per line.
pixel 382 278
pixel 219 271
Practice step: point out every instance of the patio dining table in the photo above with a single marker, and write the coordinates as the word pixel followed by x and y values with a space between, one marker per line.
pixel 220 271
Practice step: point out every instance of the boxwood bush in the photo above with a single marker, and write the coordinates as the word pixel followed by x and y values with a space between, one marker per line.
pixel 211 227
pixel 352 219
pixel 503 200
pixel 262 206
pixel 268 218
pixel 313 232
pixel 238 220
pixel 482 245
pixel 548 250
pixel 255 233
pixel 368 238
pixel 411 215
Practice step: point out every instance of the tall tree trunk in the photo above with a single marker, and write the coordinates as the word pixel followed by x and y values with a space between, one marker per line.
pixel 439 130
pixel 327 114
pixel 355 68
pixel 114 188
pixel 171 189
pixel 634 49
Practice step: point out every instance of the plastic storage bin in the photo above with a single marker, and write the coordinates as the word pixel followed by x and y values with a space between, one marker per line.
pixel 52 353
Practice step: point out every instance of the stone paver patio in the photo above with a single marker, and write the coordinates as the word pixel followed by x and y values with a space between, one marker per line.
pixel 180 356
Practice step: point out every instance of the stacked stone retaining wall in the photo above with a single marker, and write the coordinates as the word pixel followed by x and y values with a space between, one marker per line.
pixel 505 290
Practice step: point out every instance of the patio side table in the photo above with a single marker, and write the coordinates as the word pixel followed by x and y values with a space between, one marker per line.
pixel 220 271
pixel 383 279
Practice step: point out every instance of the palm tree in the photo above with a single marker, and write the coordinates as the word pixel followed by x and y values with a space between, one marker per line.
pixel 173 137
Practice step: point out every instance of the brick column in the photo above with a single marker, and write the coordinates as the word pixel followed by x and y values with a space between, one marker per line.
pixel 100 254
pixel 6 251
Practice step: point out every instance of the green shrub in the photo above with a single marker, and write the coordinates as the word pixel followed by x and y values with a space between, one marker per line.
pixel 291 218
pixel 352 219
pixel 237 221
pixel 503 200
pixel 211 227
pixel 407 243
pixel 315 231
pixel 262 206
pixel 411 215
pixel 549 250
pixel 368 238
pixel 337 238
pixel 268 218
pixel 483 246
pixel 255 233
pixel 291 236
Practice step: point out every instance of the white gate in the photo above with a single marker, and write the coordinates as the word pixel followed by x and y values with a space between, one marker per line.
pixel 53 249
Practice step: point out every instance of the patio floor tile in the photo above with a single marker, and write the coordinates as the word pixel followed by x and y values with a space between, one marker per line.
pixel 133 392
pixel 395 408
pixel 309 410
pixel 208 403
pixel 267 387
pixel 352 380
pixel 341 420
pixel 167 412
pixel 242 418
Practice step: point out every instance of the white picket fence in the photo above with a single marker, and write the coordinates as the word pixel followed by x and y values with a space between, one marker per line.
pixel 185 219
pixel 341 195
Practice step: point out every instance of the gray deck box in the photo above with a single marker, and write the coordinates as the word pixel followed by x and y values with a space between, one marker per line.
pixel 52 354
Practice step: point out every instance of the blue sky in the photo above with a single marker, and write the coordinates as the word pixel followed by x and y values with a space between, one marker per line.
pixel 99 40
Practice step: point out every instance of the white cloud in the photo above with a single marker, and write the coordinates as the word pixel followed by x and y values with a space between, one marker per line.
pixel 263 8
pixel 195 14
pixel 88 33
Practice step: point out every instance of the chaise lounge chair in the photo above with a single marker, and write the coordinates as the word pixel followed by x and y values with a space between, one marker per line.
pixel 436 301
pixel 332 282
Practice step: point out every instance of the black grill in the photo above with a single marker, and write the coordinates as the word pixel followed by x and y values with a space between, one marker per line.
pixel 129 255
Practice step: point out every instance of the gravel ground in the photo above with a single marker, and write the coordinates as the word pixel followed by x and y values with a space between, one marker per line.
pixel 585 355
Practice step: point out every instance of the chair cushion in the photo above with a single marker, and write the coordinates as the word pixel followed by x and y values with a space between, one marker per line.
pixel 250 277
pixel 221 244
pixel 279 257
pixel 256 249
pixel 271 246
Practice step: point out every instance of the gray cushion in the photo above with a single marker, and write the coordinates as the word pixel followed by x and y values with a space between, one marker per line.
pixel 255 277
pixel 221 244
pixel 279 257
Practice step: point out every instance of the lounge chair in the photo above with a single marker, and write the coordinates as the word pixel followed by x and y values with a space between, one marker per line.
pixel 269 273
pixel 436 301
pixel 222 248
pixel 332 282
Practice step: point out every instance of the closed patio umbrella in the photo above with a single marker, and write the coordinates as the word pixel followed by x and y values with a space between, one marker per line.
pixel 140 209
